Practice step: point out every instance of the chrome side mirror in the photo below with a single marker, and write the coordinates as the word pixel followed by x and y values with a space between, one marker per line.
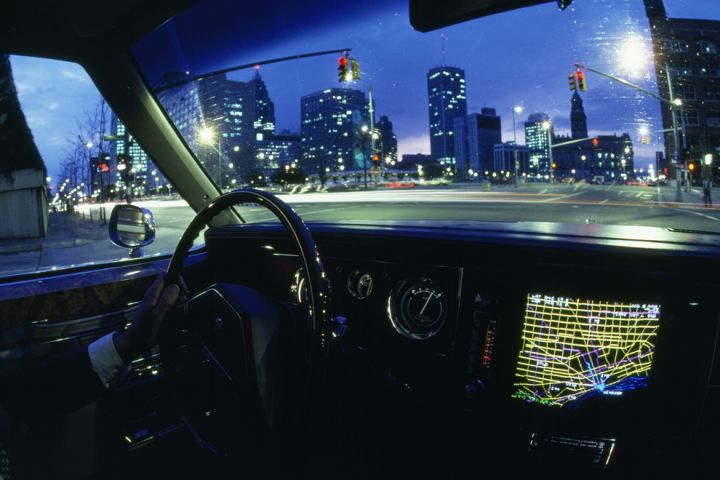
pixel 132 227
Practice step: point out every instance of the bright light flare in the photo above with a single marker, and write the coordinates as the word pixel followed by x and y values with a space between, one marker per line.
pixel 206 135
pixel 633 56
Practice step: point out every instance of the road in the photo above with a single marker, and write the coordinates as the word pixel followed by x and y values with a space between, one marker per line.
pixel 582 203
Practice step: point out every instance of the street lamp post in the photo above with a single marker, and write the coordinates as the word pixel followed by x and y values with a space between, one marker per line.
pixel 220 173
pixel 236 173
pixel 371 111
pixel 516 110
pixel 364 130
pixel 206 135
pixel 547 126
pixel 674 104
pixel 707 176
pixel 89 145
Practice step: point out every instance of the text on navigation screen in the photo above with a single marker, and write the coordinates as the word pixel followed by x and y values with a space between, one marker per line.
pixel 573 349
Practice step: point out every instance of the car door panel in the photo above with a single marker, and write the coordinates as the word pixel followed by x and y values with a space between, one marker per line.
pixel 51 313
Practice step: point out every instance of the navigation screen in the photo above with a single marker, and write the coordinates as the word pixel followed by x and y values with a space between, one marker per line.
pixel 573 349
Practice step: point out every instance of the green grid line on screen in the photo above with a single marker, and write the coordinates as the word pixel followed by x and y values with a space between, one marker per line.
pixel 573 349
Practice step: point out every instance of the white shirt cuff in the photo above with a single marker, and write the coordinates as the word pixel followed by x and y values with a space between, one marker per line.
pixel 104 358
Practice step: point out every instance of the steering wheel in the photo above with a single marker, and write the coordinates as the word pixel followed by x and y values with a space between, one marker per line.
pixel 244 338
pixel 318 288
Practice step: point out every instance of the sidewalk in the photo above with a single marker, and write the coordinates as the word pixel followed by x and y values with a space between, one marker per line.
pixel 693 198
pixel 64 231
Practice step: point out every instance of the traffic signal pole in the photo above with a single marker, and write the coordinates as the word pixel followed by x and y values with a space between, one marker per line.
pixel 676 140
pixel 371 110
pixel 674 106
pixel 515 152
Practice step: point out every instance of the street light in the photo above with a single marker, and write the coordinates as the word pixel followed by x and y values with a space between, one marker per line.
pixel 632 56
pixel 206 135
pixel 517 110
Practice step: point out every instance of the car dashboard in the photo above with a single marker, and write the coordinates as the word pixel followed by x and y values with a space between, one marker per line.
pixel 505 348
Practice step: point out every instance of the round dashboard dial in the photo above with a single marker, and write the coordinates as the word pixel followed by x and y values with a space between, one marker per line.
pixel 417 308
pixel 360 285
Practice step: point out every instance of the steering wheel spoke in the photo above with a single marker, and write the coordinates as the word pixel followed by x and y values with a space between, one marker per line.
pixel 237 360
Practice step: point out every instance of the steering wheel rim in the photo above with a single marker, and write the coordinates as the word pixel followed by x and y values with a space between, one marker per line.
pixel 318 286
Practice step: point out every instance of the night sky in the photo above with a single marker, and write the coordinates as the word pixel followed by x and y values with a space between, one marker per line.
pixel 521 57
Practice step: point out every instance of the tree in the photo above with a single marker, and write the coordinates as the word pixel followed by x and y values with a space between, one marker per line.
pixel 86 142
pixel 432 171
pixel 256 178
pixel 292 176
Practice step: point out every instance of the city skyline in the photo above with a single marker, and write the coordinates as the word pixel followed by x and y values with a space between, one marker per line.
pixel 551 96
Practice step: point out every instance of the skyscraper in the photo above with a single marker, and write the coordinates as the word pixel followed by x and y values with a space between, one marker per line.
pixel 264 115
pixel 217 116
pixel 446 101
pixel 277 152
pixel 688 49
pixel 228 108
pixel 460 143
pixel 388 140
pixel 537 140
pixel 484 131
pixel 331 130
pixel 475 137
pixel 578 119
pixel 125 144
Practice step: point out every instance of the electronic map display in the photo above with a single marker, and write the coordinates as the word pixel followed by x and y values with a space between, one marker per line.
pixel 573 349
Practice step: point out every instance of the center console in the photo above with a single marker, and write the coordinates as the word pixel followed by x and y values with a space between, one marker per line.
pixel 594 370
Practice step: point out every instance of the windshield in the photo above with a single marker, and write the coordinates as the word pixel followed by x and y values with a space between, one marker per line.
pixel 607 112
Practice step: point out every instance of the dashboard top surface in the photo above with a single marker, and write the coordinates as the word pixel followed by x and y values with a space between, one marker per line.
pixel 525 233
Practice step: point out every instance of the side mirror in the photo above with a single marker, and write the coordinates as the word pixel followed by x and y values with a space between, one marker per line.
pixel 132 227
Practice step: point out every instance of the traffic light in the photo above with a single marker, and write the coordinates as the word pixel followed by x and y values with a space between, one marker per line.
pixel 355 69
pixel 595 142
pixel 342 68
pixel 103 164
pixel 691 167
pixel 645 139
pixel 554 165
pixel 376 159
pixel 572 80
pixel 581 80
pixel 124 167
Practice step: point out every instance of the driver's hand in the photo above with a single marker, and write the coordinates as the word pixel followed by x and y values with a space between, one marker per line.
pixel 142 333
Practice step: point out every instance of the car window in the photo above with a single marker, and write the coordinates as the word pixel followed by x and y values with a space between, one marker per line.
pixel 65 160
pixel 533 115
